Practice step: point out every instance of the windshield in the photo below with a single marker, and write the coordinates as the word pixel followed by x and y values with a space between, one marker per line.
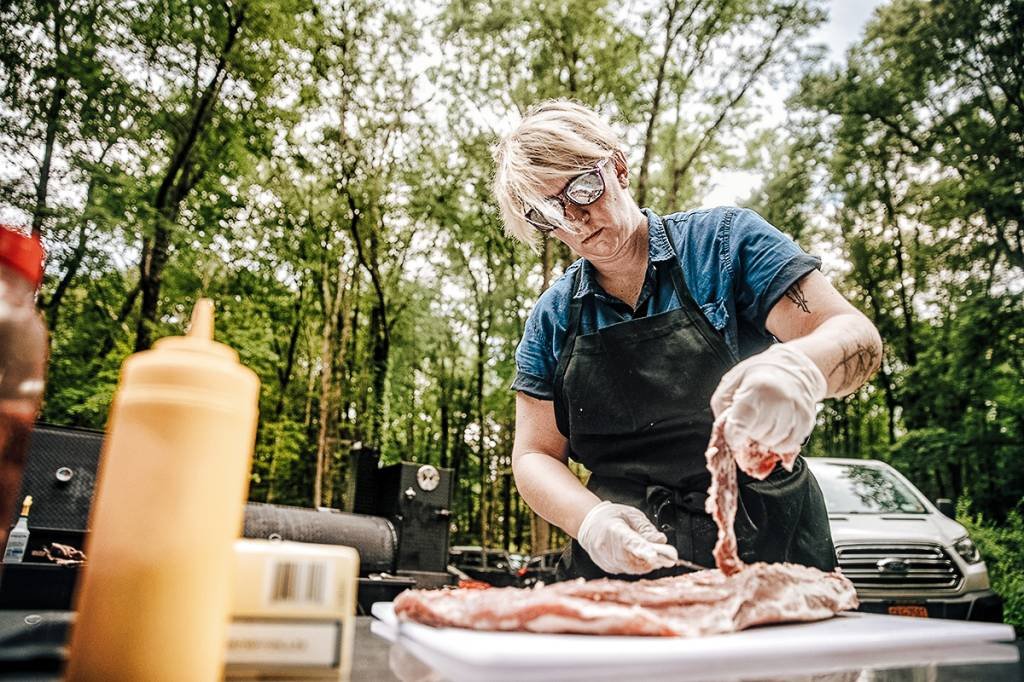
pixel 858 489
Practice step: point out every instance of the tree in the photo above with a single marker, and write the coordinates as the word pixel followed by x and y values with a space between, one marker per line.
pixel 220 104
pixel 906 135
pixel 712 57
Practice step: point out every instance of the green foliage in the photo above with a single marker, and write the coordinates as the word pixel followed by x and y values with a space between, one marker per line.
pixel 931 458
pixel 282 473
pixel 1000 546
pixel 931 261
pixel 786 198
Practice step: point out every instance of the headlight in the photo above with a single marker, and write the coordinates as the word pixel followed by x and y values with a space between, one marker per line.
pixel 968 550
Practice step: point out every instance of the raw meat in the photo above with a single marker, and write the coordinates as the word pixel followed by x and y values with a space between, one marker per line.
pixel 722 461
pixel 733 597
pixel 692 605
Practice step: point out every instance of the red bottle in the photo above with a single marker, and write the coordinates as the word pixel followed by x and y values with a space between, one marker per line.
pixel 23 349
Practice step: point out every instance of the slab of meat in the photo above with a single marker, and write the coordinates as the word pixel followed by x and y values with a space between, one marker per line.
pixel 733 597
pixel 721 462
pixel 692 605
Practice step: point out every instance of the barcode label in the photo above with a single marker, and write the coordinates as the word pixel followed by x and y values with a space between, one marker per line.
pixel 300 582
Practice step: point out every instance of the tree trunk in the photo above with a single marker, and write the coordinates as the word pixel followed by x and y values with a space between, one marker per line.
pixel 844 429
pixel 481 429
pixel 518 501
pixel 357 381
pixel 461 501
pixel 111 331
pixel 274 474
pixel 380 354
pixel 906 302
pixel 485 320
pixel 151 269
pixel 940 484
pixel 447 382
pixel 677 180
pixel 540 535
pixel 956 478
pixel 74 262
pixel 333 309
pixel 178 180
pixel 652 118
pixel 284 375
pixel 766 57
pixel 379 323
pixel 890 402
pixel 53 112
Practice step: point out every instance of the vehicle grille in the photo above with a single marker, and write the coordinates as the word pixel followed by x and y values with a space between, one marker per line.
pixel 920 567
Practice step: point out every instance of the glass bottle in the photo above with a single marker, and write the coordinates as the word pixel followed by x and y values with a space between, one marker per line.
pixel 17 540
pixel 23 349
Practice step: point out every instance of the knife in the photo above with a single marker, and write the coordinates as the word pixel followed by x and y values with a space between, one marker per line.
pixel 683 563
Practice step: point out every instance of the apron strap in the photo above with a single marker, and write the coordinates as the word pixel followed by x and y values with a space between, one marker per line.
pixel 572 330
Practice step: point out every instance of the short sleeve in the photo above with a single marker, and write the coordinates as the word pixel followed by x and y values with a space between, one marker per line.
pixel 765 263
pixel 535 367
pixel 536 354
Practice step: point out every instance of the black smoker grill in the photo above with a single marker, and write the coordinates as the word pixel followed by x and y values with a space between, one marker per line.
pixel 399 525
pixel 398 521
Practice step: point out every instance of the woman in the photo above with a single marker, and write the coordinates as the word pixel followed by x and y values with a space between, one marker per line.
pixel 663 324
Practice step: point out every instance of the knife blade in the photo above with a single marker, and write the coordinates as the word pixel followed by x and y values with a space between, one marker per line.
pixel 683 563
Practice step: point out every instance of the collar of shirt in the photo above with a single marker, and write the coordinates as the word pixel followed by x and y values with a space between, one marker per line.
pixel 659 249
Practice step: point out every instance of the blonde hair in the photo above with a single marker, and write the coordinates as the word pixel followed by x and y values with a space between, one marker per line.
pixel 556 140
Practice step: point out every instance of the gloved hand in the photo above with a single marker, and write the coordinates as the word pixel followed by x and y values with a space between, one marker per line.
pixel 770 398
pixel 620 539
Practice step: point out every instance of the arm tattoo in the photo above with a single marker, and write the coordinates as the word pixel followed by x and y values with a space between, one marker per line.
pixel 859 361
pixel 796 295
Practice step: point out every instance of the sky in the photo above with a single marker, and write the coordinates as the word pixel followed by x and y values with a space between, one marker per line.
pixel 846 23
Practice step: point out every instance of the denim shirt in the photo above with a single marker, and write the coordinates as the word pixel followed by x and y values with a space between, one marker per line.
pixel 736 265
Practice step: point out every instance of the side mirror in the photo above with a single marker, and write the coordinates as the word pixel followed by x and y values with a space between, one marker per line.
pixel 946 506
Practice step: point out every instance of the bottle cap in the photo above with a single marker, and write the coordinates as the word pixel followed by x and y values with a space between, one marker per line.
pixel 199 338
pixel 26 505
pixel 194 367
pixel 22 253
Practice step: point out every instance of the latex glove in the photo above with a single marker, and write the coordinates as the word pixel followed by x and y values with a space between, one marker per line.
pixel 770 399
pixel 620 539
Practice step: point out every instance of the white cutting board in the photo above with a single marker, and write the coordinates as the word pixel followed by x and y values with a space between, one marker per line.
pixel 846 642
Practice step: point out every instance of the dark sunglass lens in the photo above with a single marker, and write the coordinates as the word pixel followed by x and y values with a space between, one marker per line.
pixel 540 221
pixel 537 219
pixel 586 189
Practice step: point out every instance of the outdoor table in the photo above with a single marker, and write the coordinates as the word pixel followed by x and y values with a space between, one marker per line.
pixel 377 660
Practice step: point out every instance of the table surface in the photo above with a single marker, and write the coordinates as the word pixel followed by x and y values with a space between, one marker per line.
pixel 378 660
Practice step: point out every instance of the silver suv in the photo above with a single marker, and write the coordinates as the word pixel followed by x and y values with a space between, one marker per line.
pixel 904 556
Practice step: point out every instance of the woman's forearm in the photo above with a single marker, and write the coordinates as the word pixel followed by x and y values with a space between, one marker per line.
pixel 552 490
pixel 846 348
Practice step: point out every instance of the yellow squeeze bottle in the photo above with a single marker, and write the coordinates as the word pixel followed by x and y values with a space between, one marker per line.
pixel 155 596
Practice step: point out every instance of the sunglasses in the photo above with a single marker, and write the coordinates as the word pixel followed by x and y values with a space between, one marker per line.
pixel 582 190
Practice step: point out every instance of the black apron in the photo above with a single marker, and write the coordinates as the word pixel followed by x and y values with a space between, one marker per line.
pixel 634 401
